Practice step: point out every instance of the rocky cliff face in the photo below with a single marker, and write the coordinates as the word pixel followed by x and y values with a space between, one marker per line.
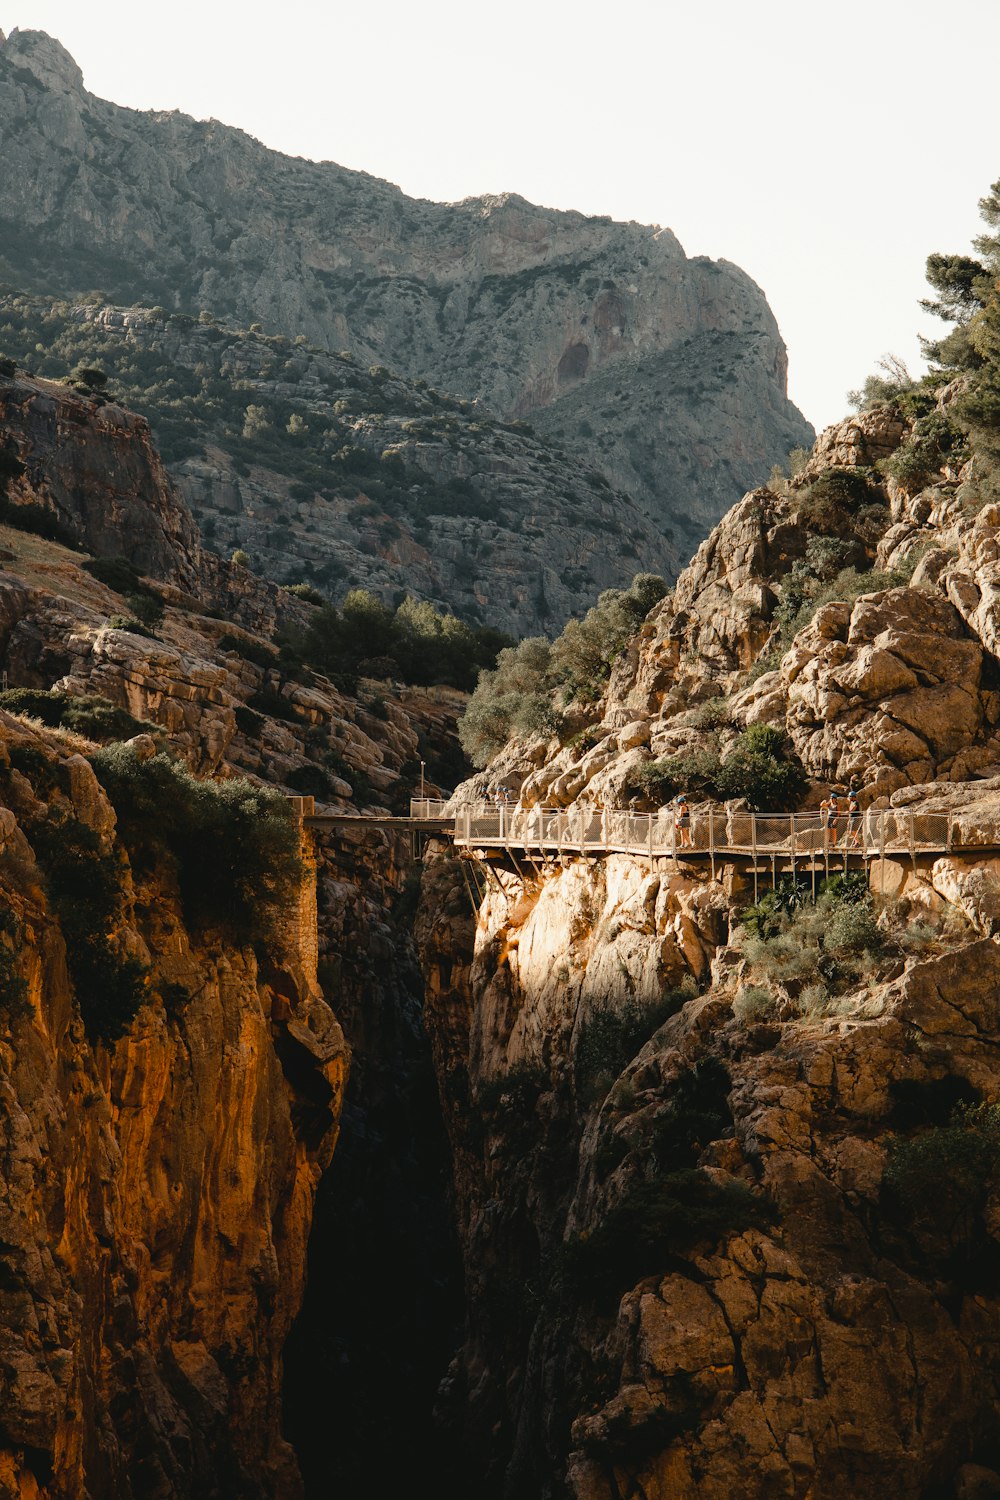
pixel 160 1189
pixel 781 1300
pixel 526 309
pixel 157 1188
pixel 716 1237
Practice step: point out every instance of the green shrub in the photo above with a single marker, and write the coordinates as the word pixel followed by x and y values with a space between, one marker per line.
pixel 133 627
pixel 88 714
pixel 116 573
pixel 655 1223
pixel 249 721
pixel 852 930
pixel 938 1182
pixel 755 767
pixel 696 773
pixel 791 943
pixel 146 607
pixel 754 1003
pixel 524 692
pixel 309 781
pixel 306 592
pixel 85 888
pixel 232 846
pixel 45 774
pixel 884 388
pixel 714 713
pixel 930 1101
pixel 764 920
pixel 511 1091
pixel 610 1038
pixel 13 985
pixel 175 996
pixel 274 704
pixel 249 649
pixel 37 520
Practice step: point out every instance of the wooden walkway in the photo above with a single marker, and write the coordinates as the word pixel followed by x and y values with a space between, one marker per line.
pixel 713 834
pixel 769 844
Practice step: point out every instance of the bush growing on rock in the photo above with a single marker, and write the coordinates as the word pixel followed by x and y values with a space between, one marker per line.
pixel 654 1223
pixel 232 846
pixel 792 944
pixel 414 642
pixel 94 717
pixel 754 1003
pixel 756 767
pixel 611 1036
pixel 130 625
pixel 938 1183
pixel 85 887
pixel 534 681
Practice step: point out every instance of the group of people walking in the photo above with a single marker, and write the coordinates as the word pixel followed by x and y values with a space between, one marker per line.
pixel 835 807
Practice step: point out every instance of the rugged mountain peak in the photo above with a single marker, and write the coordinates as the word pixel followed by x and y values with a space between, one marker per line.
pixel 42 55
pixel 664 372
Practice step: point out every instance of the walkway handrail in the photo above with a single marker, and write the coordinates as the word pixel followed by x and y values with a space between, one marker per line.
pixel 712 831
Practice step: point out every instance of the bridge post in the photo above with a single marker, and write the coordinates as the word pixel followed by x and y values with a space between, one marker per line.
pixel 711 838
pixel 753 848
pixel 649 830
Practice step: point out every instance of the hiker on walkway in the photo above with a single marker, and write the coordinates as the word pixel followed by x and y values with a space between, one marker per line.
pixel 682 821
pixel 830 809
pixel 853 818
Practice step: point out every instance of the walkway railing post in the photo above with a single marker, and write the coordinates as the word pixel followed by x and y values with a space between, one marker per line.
pixel 753 852
pixel 649 830
pixel 913 849
pixel 881 851
pixel 711 837
pixel 673 837
pixel 791 842
pixel 948 835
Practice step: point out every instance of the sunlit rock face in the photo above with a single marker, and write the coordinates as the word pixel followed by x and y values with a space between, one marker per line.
pixel 158 1188
pixel 738 1361
pixel 666 371
pixel 802 1305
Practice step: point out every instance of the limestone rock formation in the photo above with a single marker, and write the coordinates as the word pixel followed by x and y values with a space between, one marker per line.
pixel 709 1247
pixel 667 371
pixel 158 1188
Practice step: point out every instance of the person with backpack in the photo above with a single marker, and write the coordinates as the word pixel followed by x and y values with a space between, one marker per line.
pixel 682 821
pixel 830 808
pixel 853 817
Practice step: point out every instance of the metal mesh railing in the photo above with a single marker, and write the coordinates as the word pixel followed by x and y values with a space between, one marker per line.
pixel 713 830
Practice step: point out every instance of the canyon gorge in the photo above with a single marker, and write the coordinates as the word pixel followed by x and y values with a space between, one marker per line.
pixel 344 1154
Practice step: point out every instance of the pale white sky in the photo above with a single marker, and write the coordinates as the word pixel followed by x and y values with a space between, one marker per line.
pixel 824 147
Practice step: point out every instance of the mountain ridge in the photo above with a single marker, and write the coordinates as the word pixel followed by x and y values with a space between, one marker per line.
pixel 493 299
